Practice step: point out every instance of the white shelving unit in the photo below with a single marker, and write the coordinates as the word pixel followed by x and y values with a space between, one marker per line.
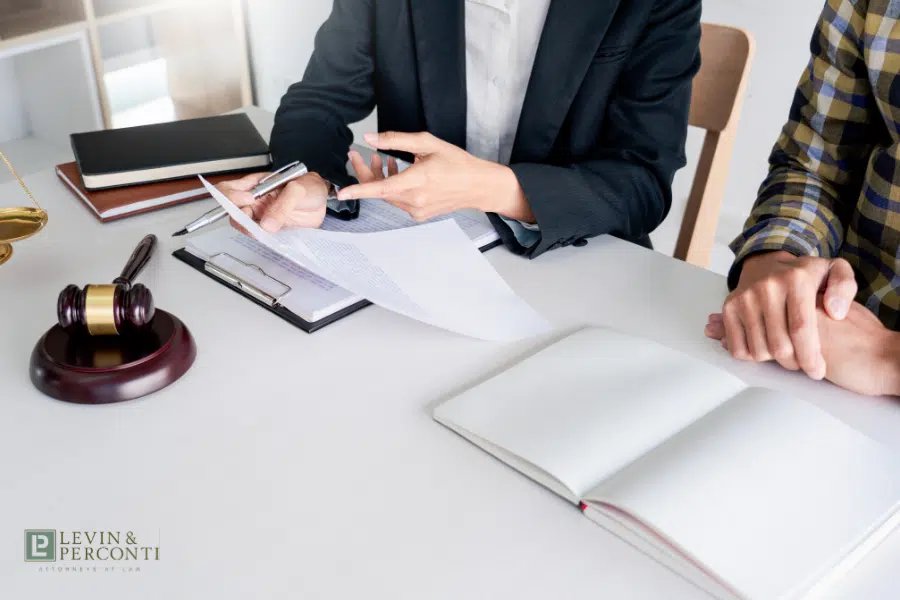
pixel 37 112
pixel 68 66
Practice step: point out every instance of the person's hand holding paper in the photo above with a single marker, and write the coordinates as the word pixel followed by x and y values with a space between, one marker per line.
pixel 432 273
pixel 300 203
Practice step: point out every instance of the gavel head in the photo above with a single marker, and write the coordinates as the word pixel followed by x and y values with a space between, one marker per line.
pixel 115 309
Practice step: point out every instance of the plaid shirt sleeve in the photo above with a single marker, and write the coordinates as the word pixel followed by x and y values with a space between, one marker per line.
pixel 818 164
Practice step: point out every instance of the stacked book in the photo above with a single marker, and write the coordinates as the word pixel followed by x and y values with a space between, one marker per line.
pixel 118 173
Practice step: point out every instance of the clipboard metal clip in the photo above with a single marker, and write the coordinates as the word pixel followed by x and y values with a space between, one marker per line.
pixel 247 278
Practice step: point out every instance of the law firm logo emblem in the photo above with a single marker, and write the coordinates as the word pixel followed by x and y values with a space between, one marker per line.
pixel 40 545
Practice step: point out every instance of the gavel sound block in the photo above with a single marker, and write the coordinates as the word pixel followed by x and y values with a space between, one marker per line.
pixel 88 369
pixel 111 344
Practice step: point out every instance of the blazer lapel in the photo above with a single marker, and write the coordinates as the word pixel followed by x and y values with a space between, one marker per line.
pixel 572 35
pixel 439 30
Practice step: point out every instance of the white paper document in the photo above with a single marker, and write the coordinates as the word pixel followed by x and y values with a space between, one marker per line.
pixel 378 215
pixel 432 273
pixel 310 297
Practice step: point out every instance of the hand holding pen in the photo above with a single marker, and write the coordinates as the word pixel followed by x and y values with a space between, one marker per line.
pixel 291 196
pixel 300 203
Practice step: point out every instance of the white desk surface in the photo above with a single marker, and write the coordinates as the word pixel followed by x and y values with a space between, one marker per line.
pixel 308 466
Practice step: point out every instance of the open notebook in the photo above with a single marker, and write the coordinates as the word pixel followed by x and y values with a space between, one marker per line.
pixel 745 492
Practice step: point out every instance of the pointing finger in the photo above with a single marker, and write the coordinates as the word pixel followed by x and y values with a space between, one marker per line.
pixel 398 184
pixel 414 143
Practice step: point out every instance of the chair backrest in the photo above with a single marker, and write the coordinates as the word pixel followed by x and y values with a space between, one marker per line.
pixel 718 95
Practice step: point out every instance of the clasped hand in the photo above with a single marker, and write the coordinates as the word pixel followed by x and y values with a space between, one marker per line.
pixel 800 312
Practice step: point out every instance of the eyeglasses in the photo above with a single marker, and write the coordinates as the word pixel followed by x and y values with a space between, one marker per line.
pixel 21 222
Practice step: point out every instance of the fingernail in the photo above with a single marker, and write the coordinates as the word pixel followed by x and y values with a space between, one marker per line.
pixel 343 195
pixel 269 224
pixel 838 308
pixel 819 373
pixel 371 138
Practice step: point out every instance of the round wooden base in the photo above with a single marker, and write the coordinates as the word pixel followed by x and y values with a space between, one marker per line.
pixel 103 369
pixel 5 252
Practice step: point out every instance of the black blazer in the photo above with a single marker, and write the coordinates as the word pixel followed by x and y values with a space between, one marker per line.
pixel 603 127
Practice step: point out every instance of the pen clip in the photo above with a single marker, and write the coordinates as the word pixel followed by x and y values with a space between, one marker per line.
pixel 279 171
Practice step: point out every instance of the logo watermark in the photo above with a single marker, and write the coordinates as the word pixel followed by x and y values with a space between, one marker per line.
pixel 88 551
pixel 40 545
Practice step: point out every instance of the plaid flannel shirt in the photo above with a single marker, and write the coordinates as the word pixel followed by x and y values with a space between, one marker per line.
pixel 833 188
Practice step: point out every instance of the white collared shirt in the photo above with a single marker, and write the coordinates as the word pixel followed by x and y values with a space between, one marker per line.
pixel 502 39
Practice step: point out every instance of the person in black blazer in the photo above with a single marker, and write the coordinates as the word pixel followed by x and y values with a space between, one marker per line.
pixel 598 140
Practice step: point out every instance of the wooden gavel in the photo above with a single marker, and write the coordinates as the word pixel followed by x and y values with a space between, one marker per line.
pixel 112 309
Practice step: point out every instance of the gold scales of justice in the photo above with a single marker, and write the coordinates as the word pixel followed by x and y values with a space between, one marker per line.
pixel 20 222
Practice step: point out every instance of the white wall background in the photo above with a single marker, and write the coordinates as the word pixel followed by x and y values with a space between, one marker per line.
pixel 281 37
pixel 281 40
pixel 13 122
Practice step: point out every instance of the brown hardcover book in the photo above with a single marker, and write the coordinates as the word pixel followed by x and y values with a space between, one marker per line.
pixel 118 203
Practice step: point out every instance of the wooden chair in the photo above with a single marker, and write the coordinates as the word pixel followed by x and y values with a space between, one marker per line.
pixel 718 96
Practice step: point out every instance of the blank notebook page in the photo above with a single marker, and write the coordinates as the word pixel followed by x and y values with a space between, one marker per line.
pixel 587 405
pixel 767 491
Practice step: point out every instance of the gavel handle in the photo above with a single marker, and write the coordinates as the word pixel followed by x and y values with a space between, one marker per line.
pixel 139 259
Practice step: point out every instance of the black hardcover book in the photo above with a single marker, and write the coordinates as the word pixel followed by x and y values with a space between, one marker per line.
pixel 154 153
